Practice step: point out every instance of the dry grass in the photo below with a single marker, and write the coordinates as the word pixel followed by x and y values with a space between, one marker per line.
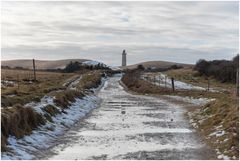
pixel 191 76
pixel 65 98
pixel 25 91
pixel 134 83
pixel 40 64
pixel 222 112
pixel 90 80
pixel 18 121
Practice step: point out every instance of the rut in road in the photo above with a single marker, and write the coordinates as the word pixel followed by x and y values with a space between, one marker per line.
pixel 128 126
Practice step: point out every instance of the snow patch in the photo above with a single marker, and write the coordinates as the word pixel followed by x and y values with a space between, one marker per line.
pixel 217 133
pixel 93 63
pixel 7 83
pixel 73 84
pixel 195 101
pixel 221 156
pixel 40 139
pixel 45 136
pixel 164 81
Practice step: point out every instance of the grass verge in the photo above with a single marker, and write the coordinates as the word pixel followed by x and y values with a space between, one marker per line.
pixel 19 121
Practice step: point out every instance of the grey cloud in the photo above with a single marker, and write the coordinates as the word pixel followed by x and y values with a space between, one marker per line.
pixel 176 31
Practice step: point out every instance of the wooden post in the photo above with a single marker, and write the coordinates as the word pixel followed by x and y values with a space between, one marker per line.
pixel 18 81
pixel 34 70
pixel 208 84
pixel 159 80
pixel 165 81
pixel 237 82
pixel 173 84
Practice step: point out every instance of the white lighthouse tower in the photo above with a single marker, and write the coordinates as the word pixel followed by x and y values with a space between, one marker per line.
pixel 124 58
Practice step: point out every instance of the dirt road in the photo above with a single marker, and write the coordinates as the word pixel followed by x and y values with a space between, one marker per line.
pixel 128 126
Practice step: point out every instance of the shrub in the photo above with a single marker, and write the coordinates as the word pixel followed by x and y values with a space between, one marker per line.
pixel 76 66
pixel 222 70
pixel 140 67
pixel 72 67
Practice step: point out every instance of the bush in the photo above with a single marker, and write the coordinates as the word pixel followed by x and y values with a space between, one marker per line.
pixel 72 67
pixel 140 67
pixel 76 66
pixel 222 70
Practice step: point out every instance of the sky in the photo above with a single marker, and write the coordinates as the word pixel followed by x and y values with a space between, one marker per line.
pixel 170 31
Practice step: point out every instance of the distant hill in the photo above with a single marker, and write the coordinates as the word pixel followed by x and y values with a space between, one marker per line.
pixel 156 64
pixel 40 64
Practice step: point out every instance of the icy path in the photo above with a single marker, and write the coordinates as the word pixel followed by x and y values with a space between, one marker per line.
pixel 130 126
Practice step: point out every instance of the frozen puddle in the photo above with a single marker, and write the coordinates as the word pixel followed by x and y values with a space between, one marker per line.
pixel 130 126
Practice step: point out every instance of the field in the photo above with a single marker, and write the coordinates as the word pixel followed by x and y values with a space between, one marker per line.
pixel 20 93
pixel 188 75
pixel 156 64
pixel 40 64
pixel 18 86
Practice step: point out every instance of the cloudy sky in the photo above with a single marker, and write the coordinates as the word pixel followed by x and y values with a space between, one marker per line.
pixel 171 31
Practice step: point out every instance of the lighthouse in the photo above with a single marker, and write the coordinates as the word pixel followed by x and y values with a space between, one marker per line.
pixel 124 58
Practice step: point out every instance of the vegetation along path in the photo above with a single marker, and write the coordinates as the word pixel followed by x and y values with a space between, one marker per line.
pixel 128 126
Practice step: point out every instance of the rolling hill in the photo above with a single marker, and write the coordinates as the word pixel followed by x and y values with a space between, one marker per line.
pixel 156 64
pixel 40 64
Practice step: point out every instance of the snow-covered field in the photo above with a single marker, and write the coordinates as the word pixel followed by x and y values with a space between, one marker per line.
pixel 164 81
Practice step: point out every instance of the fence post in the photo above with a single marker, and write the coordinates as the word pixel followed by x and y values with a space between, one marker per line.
pixel 34 70
pixel 173 84
pixel 208 85
pixel 165 81
pixel 18 81
pixel 159 80
pixel 237 83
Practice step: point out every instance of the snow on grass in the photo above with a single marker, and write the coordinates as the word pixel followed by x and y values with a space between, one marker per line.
pixel 26 147
pixel 218 133
pixel 221 156
pixel 93 63
pixel 46 100
pixel 73 84
pixel 44 137
pixel 7 83
pixel 195 101
pixel 163 81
